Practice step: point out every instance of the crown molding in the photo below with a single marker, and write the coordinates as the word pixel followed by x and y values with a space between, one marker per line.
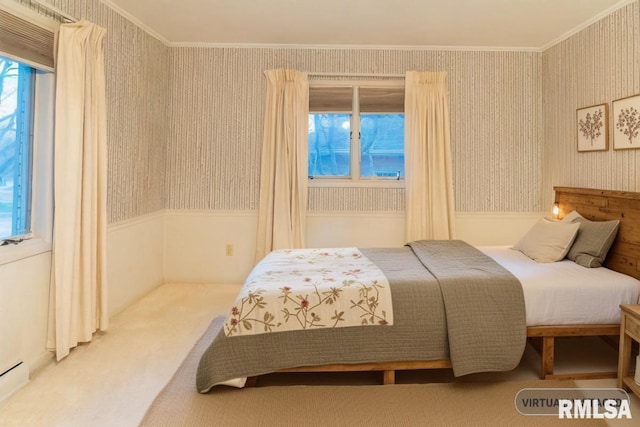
pixel 136 22
pixel 586 24
pixel 351 47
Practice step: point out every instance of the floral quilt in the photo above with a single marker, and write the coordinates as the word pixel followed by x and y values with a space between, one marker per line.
pixel 309 289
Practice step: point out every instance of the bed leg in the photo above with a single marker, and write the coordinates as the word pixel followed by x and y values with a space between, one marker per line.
pixel 546 357
pixel 251 382
pixel 388 377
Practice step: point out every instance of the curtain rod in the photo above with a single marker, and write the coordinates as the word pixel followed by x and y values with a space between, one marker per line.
pixel 355 75
pixel 55 10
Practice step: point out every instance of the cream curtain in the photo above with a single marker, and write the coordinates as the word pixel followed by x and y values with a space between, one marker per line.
pixel 78 295
pixel 429 188
pixel 283 174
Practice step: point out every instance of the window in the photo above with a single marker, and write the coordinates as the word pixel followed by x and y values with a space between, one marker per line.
pixel 356 132
pixel 17 83
pixel 26 132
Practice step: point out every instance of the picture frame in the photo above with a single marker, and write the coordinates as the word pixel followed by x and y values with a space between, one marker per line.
pixel 626 123
pixel 592 128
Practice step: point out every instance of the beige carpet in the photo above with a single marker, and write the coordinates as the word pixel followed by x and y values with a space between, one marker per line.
pixel 437 404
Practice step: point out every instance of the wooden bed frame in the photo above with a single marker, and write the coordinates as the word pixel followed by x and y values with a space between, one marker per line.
pixel 624 257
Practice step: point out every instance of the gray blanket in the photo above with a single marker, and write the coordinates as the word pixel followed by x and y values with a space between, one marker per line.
pixel 484 306
pixel 419 331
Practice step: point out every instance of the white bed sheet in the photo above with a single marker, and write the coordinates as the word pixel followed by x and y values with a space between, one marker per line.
pixel 565 293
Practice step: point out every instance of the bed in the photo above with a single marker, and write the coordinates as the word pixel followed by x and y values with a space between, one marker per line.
pixel 433 324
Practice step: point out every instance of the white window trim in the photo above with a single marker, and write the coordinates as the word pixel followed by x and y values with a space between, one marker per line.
pixel 40 238
pixel 355 181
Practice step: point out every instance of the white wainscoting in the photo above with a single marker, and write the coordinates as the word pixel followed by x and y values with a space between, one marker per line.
pixel 24 310
pixel 325 230
pixel 196 241
pixel 135 264
pixel 495 229
pixel 135 259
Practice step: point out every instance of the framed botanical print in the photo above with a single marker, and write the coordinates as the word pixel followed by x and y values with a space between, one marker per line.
pixel 592 129
pixel 626 123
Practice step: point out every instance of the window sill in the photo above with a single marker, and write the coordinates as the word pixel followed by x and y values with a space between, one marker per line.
pixel 363 183
pixel 28 248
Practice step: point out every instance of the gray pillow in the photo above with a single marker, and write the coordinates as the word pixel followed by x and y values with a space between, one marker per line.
pixel 548 241
pixel 593 241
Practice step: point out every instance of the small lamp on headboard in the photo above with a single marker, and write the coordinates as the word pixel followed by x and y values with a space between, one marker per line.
pixel 556 210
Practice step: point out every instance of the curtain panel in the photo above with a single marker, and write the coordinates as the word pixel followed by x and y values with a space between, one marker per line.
pixel 78 295
pixel 428 165
pixel 283 174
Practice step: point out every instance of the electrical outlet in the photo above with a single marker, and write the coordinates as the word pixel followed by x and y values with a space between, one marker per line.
pixel 229 249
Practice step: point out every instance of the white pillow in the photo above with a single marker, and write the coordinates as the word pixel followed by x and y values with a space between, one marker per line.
pixel 548 241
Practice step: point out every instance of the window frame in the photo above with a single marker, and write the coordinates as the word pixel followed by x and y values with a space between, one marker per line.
pixel 39 240
pixel 355 180
pixel 36 51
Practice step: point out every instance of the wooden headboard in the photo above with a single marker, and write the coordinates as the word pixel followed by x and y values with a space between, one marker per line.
pixel 602 205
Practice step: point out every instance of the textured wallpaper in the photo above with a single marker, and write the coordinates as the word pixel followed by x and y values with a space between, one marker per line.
pixel 185 124
pixel 137 84
pixel 598 65
pixel 217 102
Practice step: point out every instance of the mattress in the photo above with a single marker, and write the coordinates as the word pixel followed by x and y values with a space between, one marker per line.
pixel 565 293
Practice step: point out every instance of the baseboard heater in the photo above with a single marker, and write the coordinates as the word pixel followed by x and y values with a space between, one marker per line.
pixel 13 379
